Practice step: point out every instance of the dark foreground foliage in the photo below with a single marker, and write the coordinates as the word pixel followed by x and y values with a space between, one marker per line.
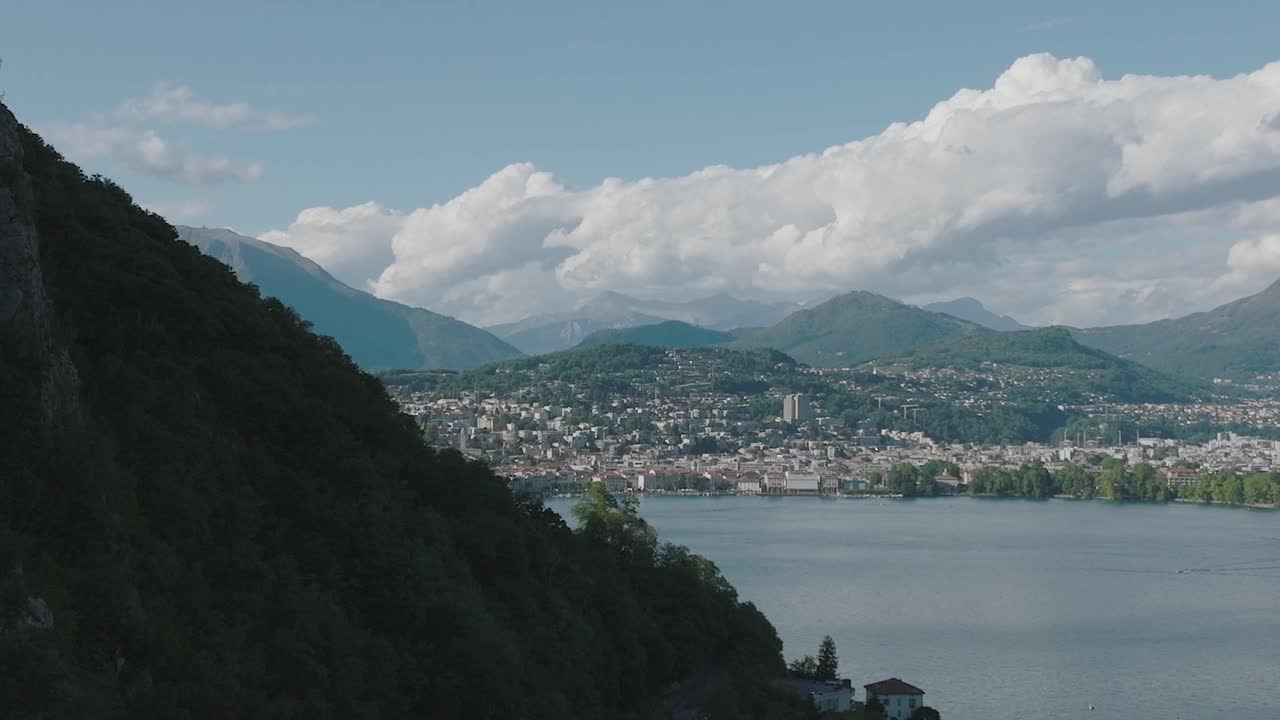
pixel 241 524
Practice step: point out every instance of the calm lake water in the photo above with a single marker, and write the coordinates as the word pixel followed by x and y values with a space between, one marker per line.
pixel 1012 608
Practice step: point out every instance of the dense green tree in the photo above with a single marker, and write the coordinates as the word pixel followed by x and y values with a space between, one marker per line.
pixel 935 467
pixel 1229 490
pixel 903 479
pixel 805 667
pixel 1035 482
pixel 1075 480
pixel 828 662
pixel 924 712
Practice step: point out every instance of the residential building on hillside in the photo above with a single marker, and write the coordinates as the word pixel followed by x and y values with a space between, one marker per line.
pixel 899 698
pixel 795 408
pixel 826 695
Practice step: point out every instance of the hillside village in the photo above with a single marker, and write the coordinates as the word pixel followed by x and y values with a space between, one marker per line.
pixel 676 430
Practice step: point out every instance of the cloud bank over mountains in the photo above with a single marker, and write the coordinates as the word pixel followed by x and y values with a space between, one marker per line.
pixel 1056 194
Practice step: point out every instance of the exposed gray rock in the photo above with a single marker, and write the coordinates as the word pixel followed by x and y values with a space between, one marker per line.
pixel 26 322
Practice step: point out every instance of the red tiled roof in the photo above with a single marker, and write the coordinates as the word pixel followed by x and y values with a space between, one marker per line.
pixel 893 686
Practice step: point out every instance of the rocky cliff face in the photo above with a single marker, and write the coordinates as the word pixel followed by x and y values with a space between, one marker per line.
pixel 26 317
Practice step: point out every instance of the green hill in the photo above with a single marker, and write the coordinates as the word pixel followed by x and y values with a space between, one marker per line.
pixel 672 333
pixel 1078 371
pixel 853 328
pixel 376 333
pixel 1238 340
pixel 206 510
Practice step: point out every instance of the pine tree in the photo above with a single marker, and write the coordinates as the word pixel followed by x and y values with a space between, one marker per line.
pixel 828 662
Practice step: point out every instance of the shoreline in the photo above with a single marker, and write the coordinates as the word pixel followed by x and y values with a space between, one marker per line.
pixel 985 496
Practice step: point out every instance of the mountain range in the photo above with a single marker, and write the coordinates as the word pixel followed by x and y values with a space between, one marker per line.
pixel 1237 340
pixel 609 310
pixel 376 333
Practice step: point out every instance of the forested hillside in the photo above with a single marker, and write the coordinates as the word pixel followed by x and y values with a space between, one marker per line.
pixel 1238 340
pixel 1081 372
pixel 852 328
pixel 227 519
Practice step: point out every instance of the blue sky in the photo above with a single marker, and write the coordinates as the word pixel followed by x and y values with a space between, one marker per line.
pixel 409 104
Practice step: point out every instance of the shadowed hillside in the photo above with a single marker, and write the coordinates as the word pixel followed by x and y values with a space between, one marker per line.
pixel 206 510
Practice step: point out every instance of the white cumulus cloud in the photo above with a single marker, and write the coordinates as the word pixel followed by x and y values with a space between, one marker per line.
pixel 1252 262
pixel 1078 198
pixel 353 244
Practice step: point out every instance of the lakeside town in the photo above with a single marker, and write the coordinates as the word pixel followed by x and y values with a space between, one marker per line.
pixel 689 435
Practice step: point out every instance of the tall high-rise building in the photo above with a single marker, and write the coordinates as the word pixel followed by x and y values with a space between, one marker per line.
pixel 795 408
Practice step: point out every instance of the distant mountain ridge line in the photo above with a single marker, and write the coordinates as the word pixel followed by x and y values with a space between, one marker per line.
pixel 971 309
pixel 376 333
pixel 672 333
pixel 609 310
pixel 1235 340
pixel 1238 339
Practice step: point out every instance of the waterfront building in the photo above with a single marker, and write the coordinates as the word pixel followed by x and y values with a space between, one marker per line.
pixel 900 699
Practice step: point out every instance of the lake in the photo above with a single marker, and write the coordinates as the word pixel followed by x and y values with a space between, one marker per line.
pixel 1012 608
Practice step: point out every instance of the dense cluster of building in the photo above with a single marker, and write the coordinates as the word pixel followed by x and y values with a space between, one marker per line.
pixel 659 445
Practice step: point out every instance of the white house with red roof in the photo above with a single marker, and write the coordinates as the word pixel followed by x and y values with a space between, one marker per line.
pixel 899 698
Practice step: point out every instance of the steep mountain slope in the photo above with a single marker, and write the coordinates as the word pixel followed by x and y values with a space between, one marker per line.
pixel 1237 340
pixel 609 310
pixel 376 333
pixel 967 308
pixel 1060 367
pixel 852 328
pixel 231 520
pixel 672 333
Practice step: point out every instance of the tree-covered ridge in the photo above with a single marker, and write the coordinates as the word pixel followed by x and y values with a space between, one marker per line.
pixel 592 378
pixel 853 328
pixel 1064 368
pixel 237 522
pixel 624 367
pixel 672 333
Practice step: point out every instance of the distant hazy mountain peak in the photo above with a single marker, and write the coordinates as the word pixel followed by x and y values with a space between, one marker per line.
pixel 612 310
pixel 968 308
